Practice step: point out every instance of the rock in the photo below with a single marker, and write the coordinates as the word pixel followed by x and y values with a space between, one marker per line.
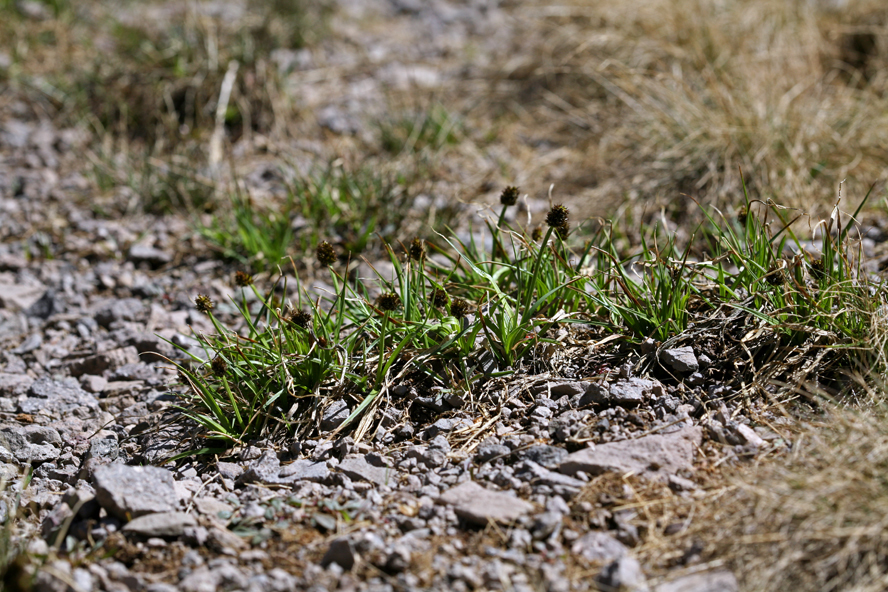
pixel 653 455
pixel 12 326
pixel 335 414
pixel 680 359
pixel 623 574
pixel 305 470
pixel 430 457
pixel 210 506
pixel 200 580
pixel 54 522
pixel 47 305
pixel 599 547
pixel 544 455
pixel 13 385
pixel 747 435
pixel 627 392
pixel 359 469
pixel 264 470
pixel 560 389
pixel 129 492
pixel 535 474
pixel 17 296
pixel 162 524
pixel 47 396
pixel 142 253
pixel 126 309
pixel 34 444
pixel 479 505
pixel 488 452
pixel 33 341
pixel 109 360
pixel 710 581
pixel 546 524
pixel 340 552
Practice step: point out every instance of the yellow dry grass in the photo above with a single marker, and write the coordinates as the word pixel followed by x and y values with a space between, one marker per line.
pixel 662 99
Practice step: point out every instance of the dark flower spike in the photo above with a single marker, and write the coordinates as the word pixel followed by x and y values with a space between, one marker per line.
pixel 300 318
pixel 326 254
pixel 557 216
pixel 563 230
pixel 509 196
pixel 417 250
pixel 459 308
pixel 389 301
pixel 242 279
pixel 203 303
pixel 537 234
pixel 439 298
pixel 219 366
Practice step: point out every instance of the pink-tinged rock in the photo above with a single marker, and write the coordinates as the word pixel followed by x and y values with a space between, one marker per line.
pixel 652 456
pixel 476 504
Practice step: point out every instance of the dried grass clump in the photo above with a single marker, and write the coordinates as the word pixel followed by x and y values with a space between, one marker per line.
pixel 672 97
pixel 814 520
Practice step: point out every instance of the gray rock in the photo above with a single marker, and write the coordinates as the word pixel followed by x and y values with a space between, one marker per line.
pixel 200 580
pixel 109 360
pixel 47 305
pixel 487 452
pixel 479 505
pixel 623 574
pixel 546 524
pixel 547 456
pixel 34 444
pixel 430 457
pixel 13 385
pixel 340 552
pixel 53 397
pixel 126 309
pixel 18 296
pixel 305 470
pixel 560 389
pixel 651 456
pixel 335 414
pixel 162 524
pixel 599 547
pixel 33 341
pixel 143 253
pixel 680 359
pixel 535 474
pixel 12 326
pixel 264 470
pixel 710 581
pixel 359 469
pixel 129 492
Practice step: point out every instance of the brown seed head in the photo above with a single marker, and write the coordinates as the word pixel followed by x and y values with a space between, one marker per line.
pixel 459 308
pixel 563 230
pixel 203 303
pixel 742 214
pixel 509 196
pixel 242 279
pixel 219 366
pixel 439 298
pixel 326 254
pixel 417 250
pixel 301 318
pixel 557 216
pixel 388 301
pixel 537 234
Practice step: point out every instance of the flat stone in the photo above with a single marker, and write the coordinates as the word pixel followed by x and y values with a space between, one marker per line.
pixel 653 455
pixel 47 396
pixel 680 359
pixel 129 492
pixel 162 524
pixel 358 468
pixel 710 581
pixel 109 360
pixel 479 505
pixel 263 470
pixel 210 506
pixel 126 309
pixel 334 415
pixel 544 455
pixel 140 252
pixel 535 474
pixel 15 296
pixel 48 304
pixel 32 342
pixel 305 470
pixel 599 547
pixel 12 385
pixel 560 389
